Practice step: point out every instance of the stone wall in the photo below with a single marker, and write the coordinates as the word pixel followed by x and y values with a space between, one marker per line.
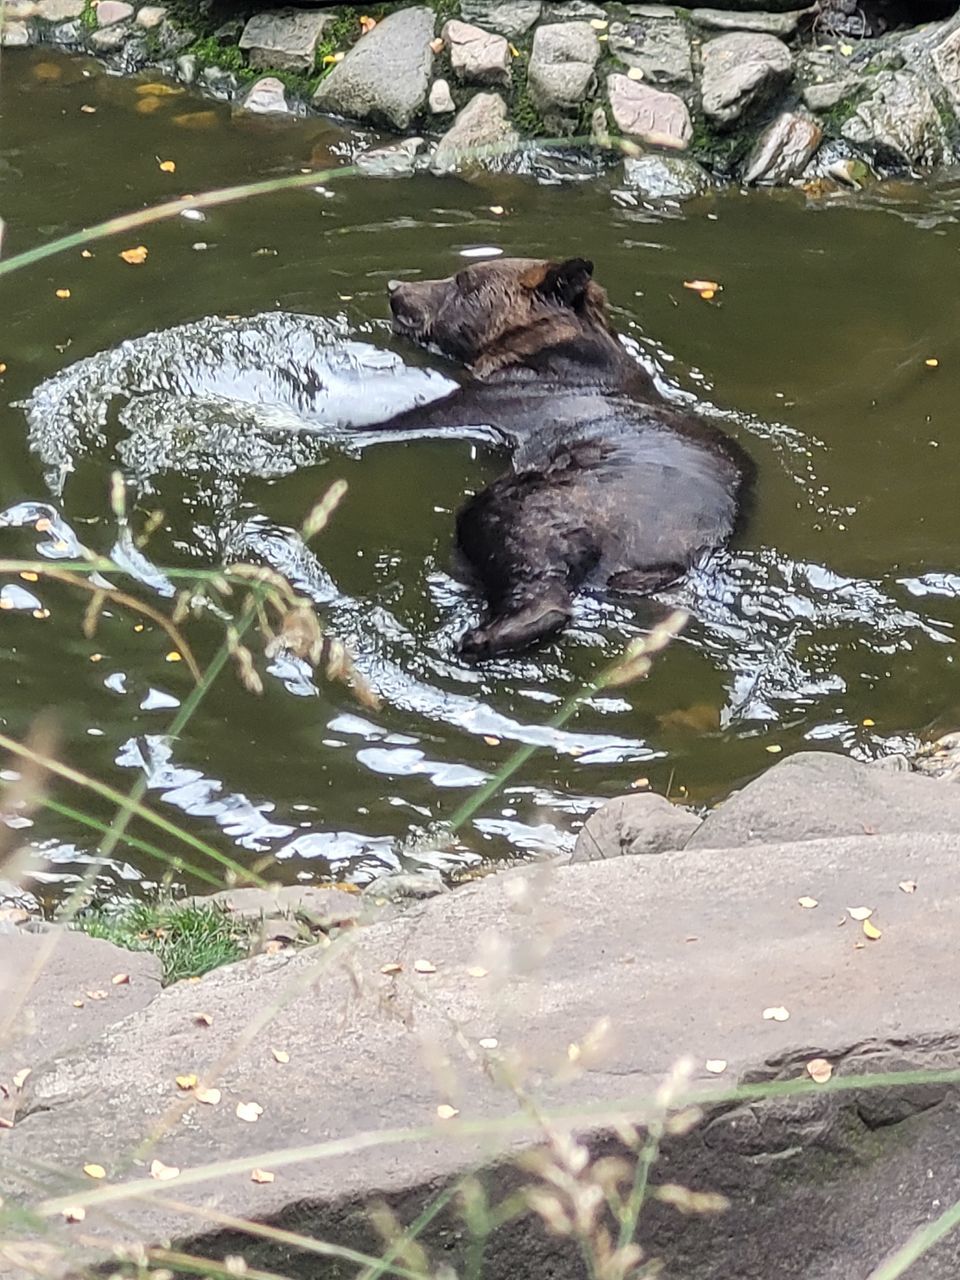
pixel 692 96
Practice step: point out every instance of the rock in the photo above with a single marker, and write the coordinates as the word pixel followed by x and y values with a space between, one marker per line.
pixel 219 81
pixel 899 119
pixel 510 18
pixel 111 11
pixel 187 68
pixel 16 897
pixel 69 965
pixel 822 97
pixel 266 96
pixel 740 71
pixel 943 44
pixel 385 76
pixel 660 49
pixel 660 119
pixel 59 10
pixel 151 15
pixel 574 11
pixel 630 825
pixel 270 904
pixel 817 794
pixel 397 160
pixel 400 886
pixel 665 177
pixel 284 39
pixel 561 70
pixel 440 101
pixel 20 10
pixel 16 35
pixel 651 961
pixel 737 7
pixel 940 759
pixel 771 24
pixel 110 39
pixel 784 149
pixel 482 122
pixel 476 56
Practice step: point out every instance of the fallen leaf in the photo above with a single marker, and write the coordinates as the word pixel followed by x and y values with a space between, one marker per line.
pixel 78 1004
pixel 120 979
pixel 29 576
pixel 63 293
pixel 168 166
pixel 391 968
pixel 188 1081
pixel 491 741
pixel 96 1171
pixel 333 58
pixel 135 256
pixel 88 110
pixel 96 995
pixel 777 1013
pixel 477 971
pixel 846 50
pixel 3 367
pixel 868 723
pixel 807 903
pixel 249 1111
pixel 635 73
pixel 20 1077
pixel 514 51
pixel 163 1172
pixel 908 886
pixel 819 1070
pixel 773 749
pixel 210 1097
pixel 599 24
pixel 173 656
pixel 280 1055
pixel 716 1065
pixel 932 363
pixel 203 1020
pixel 871 931
pixel 859 913
pixel 261 1175
pixel 701 286
pixel 424 966
pixel 436 46
pixel 76 1214
pixel 446 1112
pixel 46 71
pixel 367 24
pixel 498 209
pixel 489 1042
pixel 638 784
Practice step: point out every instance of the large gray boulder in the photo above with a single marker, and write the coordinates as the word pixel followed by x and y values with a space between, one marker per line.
pixel 818 794
pixel 647 114
pixel 660 48
pixel 591 983
pixel 561 70
pixel 772 24
pixel 784 149
pixel 477 56
pixel 900 118
pixel 385 77
pixel 511 18
pixel 741 71
pixel 284 39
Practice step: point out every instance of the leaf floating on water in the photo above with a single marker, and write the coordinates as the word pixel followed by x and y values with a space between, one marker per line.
pixel 261 1175
pixel 777 1013
pixel 716 1066
pixel 3 367
pixel 135 256
pixel 819 1070
pixel 249 1111
pixel 163 1172
pixel 807 903
pixel 703 286
pixel 932 363
pixel 88 110
pixel 173 656
pixel 168 166
pixel 63 293
pixel 907 886
pixel 871 931
pixel 859 913
pixel 95 1171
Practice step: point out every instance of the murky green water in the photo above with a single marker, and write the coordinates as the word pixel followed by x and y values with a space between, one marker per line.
pixel 839 606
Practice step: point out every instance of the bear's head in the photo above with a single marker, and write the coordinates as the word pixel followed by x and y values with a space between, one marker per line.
pixel 508 312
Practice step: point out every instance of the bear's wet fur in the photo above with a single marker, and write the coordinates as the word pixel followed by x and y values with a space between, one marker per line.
pixel 612 488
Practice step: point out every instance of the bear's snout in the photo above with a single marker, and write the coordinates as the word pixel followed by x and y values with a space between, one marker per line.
pixel 410 315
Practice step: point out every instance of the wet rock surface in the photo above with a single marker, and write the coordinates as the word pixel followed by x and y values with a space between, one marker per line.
pixel 483 122
pixel 665 177
pixel 630 825
pixel 784 149
pixel 900 116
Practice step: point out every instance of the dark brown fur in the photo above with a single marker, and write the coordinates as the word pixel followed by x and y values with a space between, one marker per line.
pixel 611 487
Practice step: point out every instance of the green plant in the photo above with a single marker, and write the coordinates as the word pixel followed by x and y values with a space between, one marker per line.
pixel 188 940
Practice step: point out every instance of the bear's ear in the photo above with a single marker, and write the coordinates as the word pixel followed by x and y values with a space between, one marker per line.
pixel 566 282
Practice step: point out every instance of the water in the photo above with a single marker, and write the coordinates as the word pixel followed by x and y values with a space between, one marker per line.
pixel 832 624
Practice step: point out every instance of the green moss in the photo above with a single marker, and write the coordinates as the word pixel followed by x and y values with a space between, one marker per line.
pixel 209 52
pixel 339 36
pixel 188 940
pixel 720 152
pixel 88 18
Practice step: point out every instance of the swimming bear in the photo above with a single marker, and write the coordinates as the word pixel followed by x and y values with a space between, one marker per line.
pixel 612 488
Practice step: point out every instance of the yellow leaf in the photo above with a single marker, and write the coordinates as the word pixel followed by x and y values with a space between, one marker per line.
pixel 514 51
pixel 367 24
pixel 932 363
pixel 96 1171
pixel 871 931
pixel 280 1055
pixel 196 120
pixel 446 1112
pixel 135 256
pixel 261 1175
pixel 807 903
pixel 158 89
pixel 819 1070
pixel 436 46
pixel 868 723
pixel 490 740
pixel 188 1081
pixel 88 110
pixel 846 50
pixel 63 293
pixel 708 295
pixel 29 576
pixel 163 1172
pixel 3 367
pixel 173 656
pixel 147 106
pixel 599 24
pixel 85 253
pixel 168 166
pixel 249 1111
